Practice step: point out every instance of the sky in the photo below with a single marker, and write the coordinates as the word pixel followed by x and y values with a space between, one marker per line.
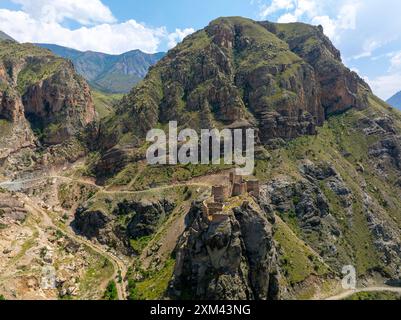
pixel 367 32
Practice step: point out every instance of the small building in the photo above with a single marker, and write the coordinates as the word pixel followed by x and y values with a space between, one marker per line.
pixel 235 178
pixel 253 188
pixel 220 193
pixel 238 189
pixel 213 210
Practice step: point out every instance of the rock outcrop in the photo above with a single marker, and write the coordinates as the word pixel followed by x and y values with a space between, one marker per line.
pixel 141 219
pixel 233 259
pixel 60 105
pixel 42 99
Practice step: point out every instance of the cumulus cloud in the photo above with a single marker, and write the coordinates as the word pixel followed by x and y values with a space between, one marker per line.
pixel 178 36
pixel 315 12
pixel 41 21
pixel 276 5
pixel 109 38
pixel 386 86
pixel 395 61
pixel 85 12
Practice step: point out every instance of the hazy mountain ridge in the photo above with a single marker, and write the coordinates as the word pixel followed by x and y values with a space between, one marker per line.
pixel 4 36
pixel 109 73
pixel 395 100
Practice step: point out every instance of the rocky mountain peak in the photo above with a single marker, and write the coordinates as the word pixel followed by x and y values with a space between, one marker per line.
pixel 282 79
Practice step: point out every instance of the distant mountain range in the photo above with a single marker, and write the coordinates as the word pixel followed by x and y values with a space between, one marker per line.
pixel 4 36
pixel 108 73
pixel 395 100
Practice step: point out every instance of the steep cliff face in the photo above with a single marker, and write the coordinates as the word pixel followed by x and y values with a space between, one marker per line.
pixel 15 132
pixel 341 89
pixel 128 221
pixel 283 80
pixel 60 105
pixel 233 259
pixel 43 91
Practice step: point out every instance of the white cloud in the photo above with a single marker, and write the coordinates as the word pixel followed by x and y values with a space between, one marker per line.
pixel 287 18
pixel 395 61
pixel 85 12
pixel 315 12
pixel 178 36
pixel 368 47
pixel 41 21
pixel 386 86
pixel 329 25
pixel 109 38
pixel 276 5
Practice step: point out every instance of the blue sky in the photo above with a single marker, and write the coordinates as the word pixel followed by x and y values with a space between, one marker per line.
pixel 368 32
pixel 180 13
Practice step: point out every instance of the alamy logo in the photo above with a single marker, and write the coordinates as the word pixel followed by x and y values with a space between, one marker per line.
pixel 236 151
pixel 349 280
pixel 48 281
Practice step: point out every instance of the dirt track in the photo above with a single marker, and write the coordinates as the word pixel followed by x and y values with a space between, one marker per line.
pixel 349 293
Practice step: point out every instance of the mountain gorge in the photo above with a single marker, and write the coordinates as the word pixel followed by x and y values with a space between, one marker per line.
pixel 328 160
pixel 105 72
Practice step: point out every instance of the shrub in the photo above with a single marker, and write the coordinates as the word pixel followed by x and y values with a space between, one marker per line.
pixel 111 291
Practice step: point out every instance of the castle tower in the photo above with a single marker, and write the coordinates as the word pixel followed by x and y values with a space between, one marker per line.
pixel 235 178
pixel 219 194
pixel 253 187
pixel 239 189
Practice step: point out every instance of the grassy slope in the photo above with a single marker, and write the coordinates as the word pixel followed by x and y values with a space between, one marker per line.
pixel 104 102
pixel 375 296
pixel 44 66
pixel 339 135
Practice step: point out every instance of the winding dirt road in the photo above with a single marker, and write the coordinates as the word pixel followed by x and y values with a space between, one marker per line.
pixel 118 264
pixel 349 293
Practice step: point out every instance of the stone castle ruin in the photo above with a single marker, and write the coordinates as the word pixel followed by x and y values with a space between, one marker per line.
pixel 213 209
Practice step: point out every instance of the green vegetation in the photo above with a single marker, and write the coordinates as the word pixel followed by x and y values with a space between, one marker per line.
pixel 388 295
pixel 155 284
pixel 2 298
pixel 298 261
pixel 99 270
pixel 105 102
pixel 139 244
pixel 342 144
pixel 72 193
pixel 141 177
pixel 5 128
pixel 111 291
pixel 37 71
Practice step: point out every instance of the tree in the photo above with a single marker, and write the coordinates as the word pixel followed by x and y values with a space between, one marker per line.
pixel 111 291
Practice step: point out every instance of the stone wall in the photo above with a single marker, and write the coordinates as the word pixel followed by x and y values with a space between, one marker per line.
pixel 220 193
pixel 253 187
